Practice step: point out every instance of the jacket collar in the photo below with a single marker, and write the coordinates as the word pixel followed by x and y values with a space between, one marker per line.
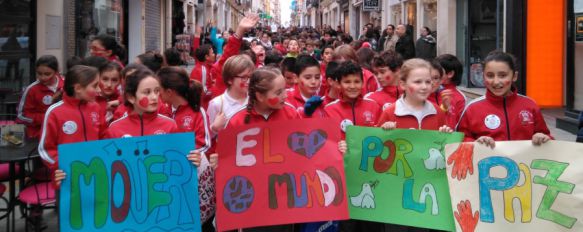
pixel 145 116
pixel 402 109
pixel 392 90
pixel 72 100
pixel 497 99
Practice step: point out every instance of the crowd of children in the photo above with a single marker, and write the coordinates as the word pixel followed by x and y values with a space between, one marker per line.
pixel 246 83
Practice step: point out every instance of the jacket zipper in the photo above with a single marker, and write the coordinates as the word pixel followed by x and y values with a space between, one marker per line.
pixel 141 125
pixel 507 123
pixel 353 114
pixel 83 121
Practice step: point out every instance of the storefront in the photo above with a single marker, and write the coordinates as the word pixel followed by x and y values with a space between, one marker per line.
pixel 17 51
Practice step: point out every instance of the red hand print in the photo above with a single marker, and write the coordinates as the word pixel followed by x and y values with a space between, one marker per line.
pixel 462 160
pixel 464 216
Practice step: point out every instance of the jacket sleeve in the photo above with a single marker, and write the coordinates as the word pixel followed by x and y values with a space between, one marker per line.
pixel 26 109
pixel 195 43
pixel 214 38
pixel 540 126
pixel 464 126
pixel 201 132
pixel 231 49
pixel 47 147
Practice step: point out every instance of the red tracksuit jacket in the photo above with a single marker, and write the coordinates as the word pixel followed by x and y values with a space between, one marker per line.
pixel 458 103
pixel 286 113
pixel 432 117
pixel 35 101
pixel 203 73
pixel 188 120
pixel 296 99
pixel 385 97
pixel 102 101
pixel 231 49
pixel 133 124
pixel 514 117
pixel 361 112
pixel 69 121
pixel 371 83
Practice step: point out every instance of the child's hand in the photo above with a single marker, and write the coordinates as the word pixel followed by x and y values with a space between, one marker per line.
pixel 214 160
pixel 342 147
pixel 488 141
pixel 112 104
pixel 445 129
pixel 59 177
pixel 248 22
pixel 194 157
pixel 219 123
pixel 540 138
pixel 389 125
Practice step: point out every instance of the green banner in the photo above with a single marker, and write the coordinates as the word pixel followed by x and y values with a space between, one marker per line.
pixel 399 176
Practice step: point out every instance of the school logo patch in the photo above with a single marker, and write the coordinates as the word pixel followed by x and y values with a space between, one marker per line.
pixel 345 123
pixel 387 105
pixel 526 117
pixel 492 121
pixel 69 127
pixel 368 117
pixel 186 122
pixel 47 99
pixel 94 117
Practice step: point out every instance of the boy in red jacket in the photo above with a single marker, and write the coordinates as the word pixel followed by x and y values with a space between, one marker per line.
pixel 386 67
pixel 453 99
pixel 205 58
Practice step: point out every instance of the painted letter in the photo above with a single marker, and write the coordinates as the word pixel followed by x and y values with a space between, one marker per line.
pixel 382 165
pixel 523 194
pixel 488 183
pixel 156 197
pixel 328 187
pixel 367 151
pixel 554 187
pixel 97 172
pixel 245 159
pixel 408 202
pixel 280 179
pixel 403 147
pixel 119 214
pixel 267 156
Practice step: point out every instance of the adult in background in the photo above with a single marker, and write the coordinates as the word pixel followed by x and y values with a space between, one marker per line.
pixel 425 46
pixel 391 38
pixel 405 45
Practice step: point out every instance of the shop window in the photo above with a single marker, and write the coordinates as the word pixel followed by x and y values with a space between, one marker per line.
pixel 99 17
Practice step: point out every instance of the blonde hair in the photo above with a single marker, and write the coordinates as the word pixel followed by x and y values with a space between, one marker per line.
pixel 411 64
pixel 345 51
pixel 234 66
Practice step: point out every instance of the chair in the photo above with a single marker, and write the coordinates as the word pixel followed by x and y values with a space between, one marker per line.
pixel 4 209
pixel 38 195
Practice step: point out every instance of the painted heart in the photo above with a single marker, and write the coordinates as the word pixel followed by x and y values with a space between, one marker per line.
pixel 307 144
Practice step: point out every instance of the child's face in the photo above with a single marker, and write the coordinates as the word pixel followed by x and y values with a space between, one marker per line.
pixel 108 82
pixel 211 57
pixel 498 78
pixel 290 79
pixel 310 81
pixel 435 80
pixel 327 56
pixel 45 75
pixel 276 96
pixel 351 86
pixel 241 82
pixel 259 53
pixel 89 92
pixel 293 46
pixel 384 75
pixel 286 43
pixel 146 98
pixel 418 84
pixel 310 48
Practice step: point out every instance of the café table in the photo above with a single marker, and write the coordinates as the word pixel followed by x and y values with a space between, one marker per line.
pixel 16 155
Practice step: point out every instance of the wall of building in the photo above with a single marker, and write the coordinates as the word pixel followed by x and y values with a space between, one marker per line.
pixel 50 30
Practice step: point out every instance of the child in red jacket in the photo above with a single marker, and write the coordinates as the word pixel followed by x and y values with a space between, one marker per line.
pixel 185 99
pixel 351 108
pixel 347 53
pixel 413 110
pixel 502 115
pixel 386 67
pixel 109 83
pixel 39 95
pixel 307 69
pixel 454 100
pixel 142 96
pixel 77 118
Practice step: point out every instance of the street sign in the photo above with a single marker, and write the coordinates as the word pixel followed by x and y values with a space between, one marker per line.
pixel 370 5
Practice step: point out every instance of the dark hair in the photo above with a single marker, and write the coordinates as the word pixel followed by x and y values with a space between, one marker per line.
pixel 152 60
pixel 49 61
pixel 501 56
pixel 130 68
pixel 72 61
pixel 305 61
pixel 110 43
pixel 172 56
pixel 79 74
pixel 250 54
pixel 177 79
pixel 348 68
pixel 332 70
pixel 273 57
pixel 201 52
pixel 391 26
pixel 260 82
pixel 112 65
pixel 95 61
pixel 428 30
pixel 365 56
pixel 437 66
pixel 451 63
pixel 288 64
pixel 133 81
pixel 391 59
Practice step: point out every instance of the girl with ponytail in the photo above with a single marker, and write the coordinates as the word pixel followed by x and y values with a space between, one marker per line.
pixel 108 47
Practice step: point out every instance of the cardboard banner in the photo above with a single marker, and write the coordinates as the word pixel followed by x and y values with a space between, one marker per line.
pixel 129 184
pixel 517 186
pixel 280 173
pixel 398 176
